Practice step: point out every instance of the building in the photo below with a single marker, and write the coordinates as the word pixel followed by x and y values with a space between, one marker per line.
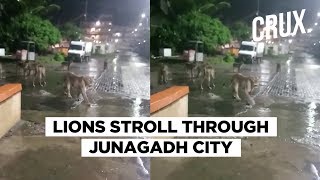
pixel 99 31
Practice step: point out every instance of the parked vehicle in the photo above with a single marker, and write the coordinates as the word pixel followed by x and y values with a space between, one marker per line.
pixel 251 52
pixel 80 51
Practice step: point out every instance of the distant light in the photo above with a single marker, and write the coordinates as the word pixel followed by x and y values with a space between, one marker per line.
pixel 118 34
pixel 290 41
pixel 93 29
pixel 309 30
pixel 136 30
pixel 139 43
pixel 110 23
pixel 98 23
pixel 316 24
pixel 132 32
pixel 116 40
pixel 318 14
pixel 107 44
pixel 143 15
pixel 314 44
pixel 140 24
pixel 109 30
pixel 144 41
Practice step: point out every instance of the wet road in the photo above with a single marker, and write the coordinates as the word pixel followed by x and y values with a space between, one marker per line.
pixel 118 91
pixel 292 95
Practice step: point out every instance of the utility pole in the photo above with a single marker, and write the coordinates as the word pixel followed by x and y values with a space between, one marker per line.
pixel 86 11
pixel 258 8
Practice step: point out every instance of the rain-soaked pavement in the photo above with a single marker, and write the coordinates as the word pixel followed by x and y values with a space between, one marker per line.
pixel 118 92
pixel 292 95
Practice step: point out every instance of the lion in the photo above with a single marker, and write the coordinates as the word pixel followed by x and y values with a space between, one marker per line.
pixel 2 72
pixel 208 74
pixel 163 74
pixel 79 84
pixel 247 83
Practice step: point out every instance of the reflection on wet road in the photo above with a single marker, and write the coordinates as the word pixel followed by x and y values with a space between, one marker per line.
pixel 292 95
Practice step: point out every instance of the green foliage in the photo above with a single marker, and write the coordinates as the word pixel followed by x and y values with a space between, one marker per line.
pixel 164 36
pixel 58 57
pixel 240 31
pixel 205 6
pixel 33 28
pixel 229 58
pixel 71 32
pixel 215 59
pixel 198 26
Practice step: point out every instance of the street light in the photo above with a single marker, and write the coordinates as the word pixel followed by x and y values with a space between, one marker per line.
pixel 98 23
pixel 136 30
pixel 316 24
pixel 140 24
pixel 143 15
pixel 109 30
pixel 144 41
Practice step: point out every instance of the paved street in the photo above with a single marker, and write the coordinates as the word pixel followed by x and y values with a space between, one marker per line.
pixel 292 95
pixel 120 90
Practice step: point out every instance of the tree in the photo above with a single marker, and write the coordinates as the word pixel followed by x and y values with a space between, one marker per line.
pixel 240 31
pixel 38 7
pixel 33 28
pixel 198 26
pixel 71 32
pixel 172 8
pixel 164 36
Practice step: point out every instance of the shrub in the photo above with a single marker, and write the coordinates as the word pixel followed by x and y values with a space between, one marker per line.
pixel 58 57
pixel 229 58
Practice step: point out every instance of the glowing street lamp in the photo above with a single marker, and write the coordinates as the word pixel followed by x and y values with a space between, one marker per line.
pixel 144 41
pixel 139 43
pixel 143 15
pixel 98 23
pixel 109 30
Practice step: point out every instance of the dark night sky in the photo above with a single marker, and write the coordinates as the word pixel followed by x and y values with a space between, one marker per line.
pixel 244 8
pixel 125 12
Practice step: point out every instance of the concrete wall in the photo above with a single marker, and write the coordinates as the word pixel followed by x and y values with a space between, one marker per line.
pixel 10 107
pixel 179 108
pixel 172 102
